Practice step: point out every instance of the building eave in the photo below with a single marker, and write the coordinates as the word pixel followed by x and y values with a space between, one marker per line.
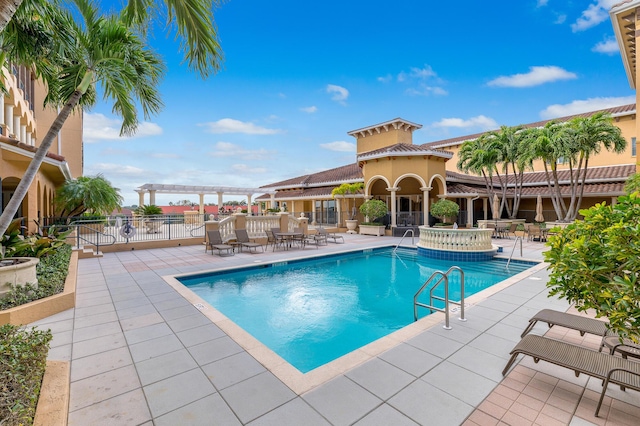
pixel 617 14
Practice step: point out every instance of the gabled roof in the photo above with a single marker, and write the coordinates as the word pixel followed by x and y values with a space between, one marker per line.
pixel 396 123
pixel 335 176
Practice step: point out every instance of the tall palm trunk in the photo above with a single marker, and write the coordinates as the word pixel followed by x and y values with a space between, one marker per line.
pixel 7 10
pixel 23 187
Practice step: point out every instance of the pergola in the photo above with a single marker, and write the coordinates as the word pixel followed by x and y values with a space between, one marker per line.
pixel 158 188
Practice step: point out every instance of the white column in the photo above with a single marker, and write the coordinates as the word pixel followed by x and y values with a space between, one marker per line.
pixel 8 116
pixel 152 196
pixel 313 212
pixel 201 209
pixel 220 202
pixel 272 201
pixel 425 205
pixel 16 127
pixel 249 209
pixel 141 197
pixel 469 212
pixel 29 140
pixel 23 133
pixel 393 206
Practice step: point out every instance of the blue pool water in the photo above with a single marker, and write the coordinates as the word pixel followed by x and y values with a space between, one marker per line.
pixel 311 312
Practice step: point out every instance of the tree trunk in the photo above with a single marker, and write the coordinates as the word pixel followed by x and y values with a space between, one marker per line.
pixel 7 10
pixel 36 162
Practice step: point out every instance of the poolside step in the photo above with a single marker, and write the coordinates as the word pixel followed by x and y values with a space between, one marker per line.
pixel 87 252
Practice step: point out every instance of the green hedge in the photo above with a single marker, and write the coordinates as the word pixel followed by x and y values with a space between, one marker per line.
pixel 23 358
pixel 51 271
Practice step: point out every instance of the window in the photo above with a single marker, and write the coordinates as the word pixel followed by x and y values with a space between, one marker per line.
pixel 633 147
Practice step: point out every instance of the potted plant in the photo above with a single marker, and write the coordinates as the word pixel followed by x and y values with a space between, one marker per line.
pixel 372 210
pixel 348 190
pixel 446 211
pixel 152 217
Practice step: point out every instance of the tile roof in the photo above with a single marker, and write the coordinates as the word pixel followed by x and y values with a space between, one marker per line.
pixel 619 110
pixel 350 172
pixel 403 148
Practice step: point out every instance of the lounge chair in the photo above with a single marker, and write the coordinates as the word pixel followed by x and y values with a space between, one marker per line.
pixel 215 242
pixel 564 319
pixel 611 369
pixel 323 235
pixel 243 238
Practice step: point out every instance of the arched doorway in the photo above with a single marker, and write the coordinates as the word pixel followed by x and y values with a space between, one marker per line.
pixel 9 186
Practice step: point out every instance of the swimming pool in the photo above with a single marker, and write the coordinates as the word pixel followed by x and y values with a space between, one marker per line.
pixel 313 311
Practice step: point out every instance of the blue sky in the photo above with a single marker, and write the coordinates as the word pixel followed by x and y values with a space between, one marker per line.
pixel 297 76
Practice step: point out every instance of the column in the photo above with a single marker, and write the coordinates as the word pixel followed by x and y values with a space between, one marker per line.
pixel 141 196
pixel 393 206
pixel 614 201
pixel 220 202
pixel 201 209
pixel 272 201
pixel 469 212
pixel 23 133
pixel 8 116
pixel 29 140
pixel 338 210
pixel 425 205
pixel 484 207
pixel 249 209
pixel 16 127
pixel 313 212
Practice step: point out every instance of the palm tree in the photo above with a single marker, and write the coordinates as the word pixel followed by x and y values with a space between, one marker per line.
pixel 479 156
pixel 92 194
pixel 588 136
pixel 193 20
pixel 104 52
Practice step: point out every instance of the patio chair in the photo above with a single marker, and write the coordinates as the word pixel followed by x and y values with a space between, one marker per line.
pixel 567 320
pixel 243 238
pixel 215 242
pixel 512 230
pixel 305 239
pixel 324 235
pixel 601 365
pixel 273 241
pixel 535 233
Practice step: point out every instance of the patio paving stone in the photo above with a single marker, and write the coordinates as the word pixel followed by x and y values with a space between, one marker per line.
pixel 94 389
pixel 342 401
pixel 126 409
pixel 177 391
pixel 232 369
pixel 197 335
pixel 385 415
pixel 164 366
pixel 99 363
pixel 410 359
pixel 99 344
pixel 380 378
pixel 155 347
pixel 465 385
pixel 293 413
pixel 208 411
pixel 256 396
pixel 148 332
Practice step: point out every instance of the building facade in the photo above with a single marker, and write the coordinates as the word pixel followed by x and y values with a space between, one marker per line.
pixel 23 123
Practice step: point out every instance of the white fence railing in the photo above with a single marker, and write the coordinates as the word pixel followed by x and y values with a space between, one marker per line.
pixel 455 239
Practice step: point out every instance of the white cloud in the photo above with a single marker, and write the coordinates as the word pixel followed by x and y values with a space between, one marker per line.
pixel 481 121
pixel 535 77
pixel 243 168
pixel 424 90
pixel 111 169
pixel 560 19
pixel 98 127
pixel 229 125
pixel 339 93
pixel 164 155
pixel 385 79
pixel 542 3
pixel 340 146
pixel 593 15
pixel 608 46
pixel 226 149
pixel 587 105
pixel 310 109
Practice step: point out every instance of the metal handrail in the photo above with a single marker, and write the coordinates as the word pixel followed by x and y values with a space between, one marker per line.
pixel 97 233
pixel 404 235
pixel 444 276
pixel 518 238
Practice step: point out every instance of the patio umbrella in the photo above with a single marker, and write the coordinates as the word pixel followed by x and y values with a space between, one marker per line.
pixel 495 208
pixel 539 217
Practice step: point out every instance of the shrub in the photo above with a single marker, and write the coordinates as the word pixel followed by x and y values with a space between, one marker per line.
pixel 594 263
pixel 23 357
pixel 444 209
pixel 373 209
pixel 149 210
pixel 51 271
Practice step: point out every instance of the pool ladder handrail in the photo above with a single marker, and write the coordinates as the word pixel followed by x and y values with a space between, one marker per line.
pixel 402 239
pixel 444 277
pixel 518 238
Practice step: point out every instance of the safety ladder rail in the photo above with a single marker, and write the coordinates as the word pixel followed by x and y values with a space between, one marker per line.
pixel 444 277
pixel 518 238
pixel 404 235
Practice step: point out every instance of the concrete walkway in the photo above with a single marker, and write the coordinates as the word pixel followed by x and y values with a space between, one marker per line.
pixel 142 354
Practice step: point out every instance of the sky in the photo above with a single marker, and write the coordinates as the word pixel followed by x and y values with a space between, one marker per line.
pixel 297 76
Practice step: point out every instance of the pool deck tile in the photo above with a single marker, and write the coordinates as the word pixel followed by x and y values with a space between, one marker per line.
pixel 144 352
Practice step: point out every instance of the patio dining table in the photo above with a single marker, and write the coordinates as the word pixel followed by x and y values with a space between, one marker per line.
pixel 288 237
